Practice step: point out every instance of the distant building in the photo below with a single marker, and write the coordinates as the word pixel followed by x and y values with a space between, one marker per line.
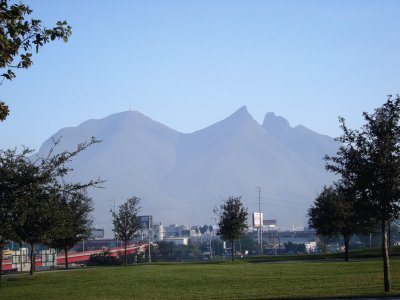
pixel 172 231
pixel 178 240
pixel 97 234
pixel 297 237
pixel 158 232
pixel 146 221
pixel 311 247
pixel 270 224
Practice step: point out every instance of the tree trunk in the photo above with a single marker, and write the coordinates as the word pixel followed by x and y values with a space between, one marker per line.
pixel 346 247
pixel 66 257
pixel 385 255
pixel 1 258
pixel 126 255
pixel 232 250
pixel 32 270
pixel 20 256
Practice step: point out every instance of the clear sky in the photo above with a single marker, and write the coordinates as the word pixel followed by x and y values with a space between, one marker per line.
pixel 188 64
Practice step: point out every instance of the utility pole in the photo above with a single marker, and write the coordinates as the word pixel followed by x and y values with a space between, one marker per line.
pixel 261 222
pixel 211 256
pixel 149 241
pixel 113 214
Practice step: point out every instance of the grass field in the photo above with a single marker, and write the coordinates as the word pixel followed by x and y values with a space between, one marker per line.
pixel 242 280
pixel 353 254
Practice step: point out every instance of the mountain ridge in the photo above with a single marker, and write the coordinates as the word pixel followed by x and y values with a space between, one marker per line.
pixel 181 177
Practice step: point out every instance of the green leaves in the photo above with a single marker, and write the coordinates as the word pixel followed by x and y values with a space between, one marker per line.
pixel 126 221
pixel 18 35
pixel 36 205
pixel 369 163
pixel 232 217
pixel 4 111
pixel 9 75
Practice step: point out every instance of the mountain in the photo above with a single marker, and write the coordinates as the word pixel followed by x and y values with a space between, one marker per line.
pixel 308 145
pixel 182 177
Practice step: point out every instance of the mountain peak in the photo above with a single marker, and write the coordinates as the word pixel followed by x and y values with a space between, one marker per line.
pixel 242 109
pixel 274 123
pixel 242 114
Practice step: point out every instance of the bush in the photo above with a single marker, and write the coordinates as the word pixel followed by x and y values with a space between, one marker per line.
pixel 103 259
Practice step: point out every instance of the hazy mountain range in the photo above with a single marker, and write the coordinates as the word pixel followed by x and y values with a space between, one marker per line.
pixel 182 177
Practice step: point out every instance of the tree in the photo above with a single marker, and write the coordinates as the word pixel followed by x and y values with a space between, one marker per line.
pixel 369 159
pixel 12 170
pixel 126 222
pixel 73 223
pixel 103 259
pixel 232 220
pixel 293 248
pixel 36 185
pixel 247 243
pixel 334 212
pixel 320 213
pixel 203 229
pixel 27 194
pixel 17 37
pixel 165 250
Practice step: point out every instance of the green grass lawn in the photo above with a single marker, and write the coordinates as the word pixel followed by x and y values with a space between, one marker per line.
pixel 240 280
pixel 353 254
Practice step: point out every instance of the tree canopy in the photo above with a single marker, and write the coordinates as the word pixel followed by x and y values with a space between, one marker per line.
pixel 18 35
pixel 334 213
pixel 30 189
pixel 73 221
pixel 369 160
pixel 232 220
pixel 126 222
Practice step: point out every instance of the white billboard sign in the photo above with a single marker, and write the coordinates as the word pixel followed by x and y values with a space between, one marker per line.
pixel 257 219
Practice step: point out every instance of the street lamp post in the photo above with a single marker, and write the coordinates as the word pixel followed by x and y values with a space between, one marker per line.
pixel 149 243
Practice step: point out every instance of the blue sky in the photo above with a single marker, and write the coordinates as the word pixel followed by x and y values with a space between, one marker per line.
pixel 188 64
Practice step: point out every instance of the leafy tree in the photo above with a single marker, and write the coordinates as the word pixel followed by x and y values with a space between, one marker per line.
pixel 369 159
pixel 103 259
pixel 12 171
pixel 73 223
pixel 165 249
pixel 320 215
pixel 17 37
pixel 247 243
pixel 232 220
pixel 27 195
pixel 37 184
pixel 293 248
pixel 203 229
pixel 334 212
pixel 126 222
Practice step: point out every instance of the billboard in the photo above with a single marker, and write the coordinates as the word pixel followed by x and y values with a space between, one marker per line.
pixel 270 223
pixel 257 219
pixel 97 233
pixel 146 221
